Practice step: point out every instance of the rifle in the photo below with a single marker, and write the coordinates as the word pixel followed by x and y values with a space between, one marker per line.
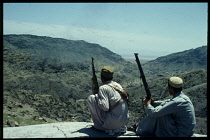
pixel 95 87
pixel 143 77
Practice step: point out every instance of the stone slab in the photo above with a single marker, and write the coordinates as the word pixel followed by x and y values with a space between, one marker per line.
pixel 62 130
pixel 58 130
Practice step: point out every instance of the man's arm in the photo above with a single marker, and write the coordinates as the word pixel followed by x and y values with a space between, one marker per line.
pixel 163 109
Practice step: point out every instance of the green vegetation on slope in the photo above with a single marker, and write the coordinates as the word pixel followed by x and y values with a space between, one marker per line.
pixel 41 87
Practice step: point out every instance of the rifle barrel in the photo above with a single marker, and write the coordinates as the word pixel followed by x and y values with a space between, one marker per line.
pixel 95 86
pixel 143 77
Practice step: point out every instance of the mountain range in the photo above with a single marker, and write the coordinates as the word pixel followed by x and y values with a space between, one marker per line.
pixel 78 51
pixel 180 61
pixel 62 49
pixel 47 79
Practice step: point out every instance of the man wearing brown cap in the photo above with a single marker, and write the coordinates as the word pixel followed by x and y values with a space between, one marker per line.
pixel 173 117
pixel 108 108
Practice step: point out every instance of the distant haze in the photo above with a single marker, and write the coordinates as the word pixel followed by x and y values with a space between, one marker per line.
pixel 143 59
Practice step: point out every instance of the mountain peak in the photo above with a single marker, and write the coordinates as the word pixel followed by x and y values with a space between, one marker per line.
pixel 62 49
pixel 179 61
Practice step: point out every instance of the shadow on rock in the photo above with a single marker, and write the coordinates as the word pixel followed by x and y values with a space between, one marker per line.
pixel 93 132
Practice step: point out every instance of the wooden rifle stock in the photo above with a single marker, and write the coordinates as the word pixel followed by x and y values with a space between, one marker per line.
pixel 143 77
pixel 95 87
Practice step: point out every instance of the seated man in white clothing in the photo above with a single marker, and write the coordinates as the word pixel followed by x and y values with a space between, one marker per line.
pixel 108 108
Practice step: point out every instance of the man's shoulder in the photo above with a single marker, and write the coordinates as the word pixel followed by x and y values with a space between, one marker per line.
pixel 182 98
pixel 115 84
pixel 109 85
pixel 105 86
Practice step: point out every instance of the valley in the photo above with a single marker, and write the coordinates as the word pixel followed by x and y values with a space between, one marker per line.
pixel 48 80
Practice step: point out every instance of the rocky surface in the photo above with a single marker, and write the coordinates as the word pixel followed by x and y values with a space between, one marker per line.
pixel 62 130
pixel 58 130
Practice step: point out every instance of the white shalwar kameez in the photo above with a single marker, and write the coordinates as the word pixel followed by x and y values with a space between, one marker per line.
pixel 99 105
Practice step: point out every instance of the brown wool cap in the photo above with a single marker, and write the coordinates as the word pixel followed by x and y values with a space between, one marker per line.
pixel 107 71
pixel 175 82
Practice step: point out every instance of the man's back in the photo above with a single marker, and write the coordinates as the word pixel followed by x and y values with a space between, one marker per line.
pixel 181 120
pixel 119 115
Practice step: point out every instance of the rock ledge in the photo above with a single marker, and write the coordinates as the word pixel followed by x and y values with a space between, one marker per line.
pixel 61 130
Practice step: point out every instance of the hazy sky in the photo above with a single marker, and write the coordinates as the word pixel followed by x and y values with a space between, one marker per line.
pixel 150 29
